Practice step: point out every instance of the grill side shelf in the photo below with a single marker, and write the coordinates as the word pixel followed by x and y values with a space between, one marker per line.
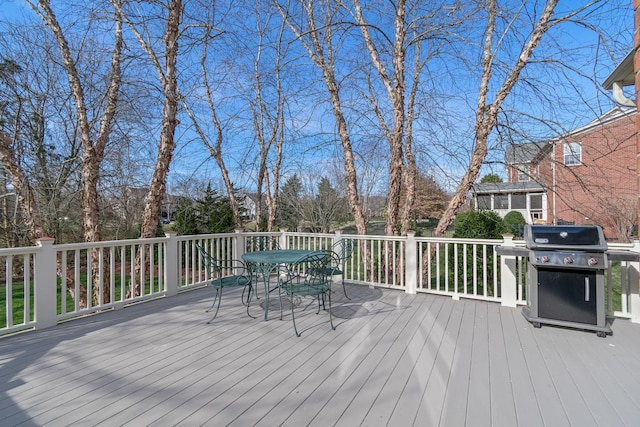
pixel 512 250
pixel 623 256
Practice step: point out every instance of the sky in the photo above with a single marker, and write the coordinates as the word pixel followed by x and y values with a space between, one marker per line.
pixel 446 138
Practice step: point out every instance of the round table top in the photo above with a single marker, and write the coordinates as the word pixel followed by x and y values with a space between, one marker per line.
pixel 277 256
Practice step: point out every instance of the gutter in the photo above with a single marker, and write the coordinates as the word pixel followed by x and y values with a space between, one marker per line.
pixel 619 97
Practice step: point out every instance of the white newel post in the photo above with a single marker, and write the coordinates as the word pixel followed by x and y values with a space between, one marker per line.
pixel 508 282
pixel 338 237
pixel 411 260
pixel 172 279
pixel 240 245
pixel 45 284
pixel 284 242
pixel 634 298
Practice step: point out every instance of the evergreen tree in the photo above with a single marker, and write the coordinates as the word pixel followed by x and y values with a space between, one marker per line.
pixel 186 222
pixel 289 209
pixel 214 213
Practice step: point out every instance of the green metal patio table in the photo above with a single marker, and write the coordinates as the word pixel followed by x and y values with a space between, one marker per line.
pixel 266 263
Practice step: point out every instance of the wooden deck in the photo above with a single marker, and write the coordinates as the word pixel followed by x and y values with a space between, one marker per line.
pixel 394 359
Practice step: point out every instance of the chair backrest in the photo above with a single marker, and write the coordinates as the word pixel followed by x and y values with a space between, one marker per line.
pixel 210 262
pixel 344 249
pixel 262 243
pixel 316 264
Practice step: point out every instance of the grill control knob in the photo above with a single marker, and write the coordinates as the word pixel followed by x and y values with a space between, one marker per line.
pixel 568 260
pixel 544 258
pixel 593 261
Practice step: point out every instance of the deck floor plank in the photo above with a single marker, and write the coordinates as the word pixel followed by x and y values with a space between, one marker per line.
pixel 334 387
pixel 502 403
pixel 456 398
pixel 394 359
pixel 429 335
pixel 478 398
pixel 368 381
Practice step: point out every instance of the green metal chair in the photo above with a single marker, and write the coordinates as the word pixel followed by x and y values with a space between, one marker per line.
pixel 306 278
pixel 226 274
pixel 341 251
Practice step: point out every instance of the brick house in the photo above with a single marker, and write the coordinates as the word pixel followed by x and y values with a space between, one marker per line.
pixel 586 176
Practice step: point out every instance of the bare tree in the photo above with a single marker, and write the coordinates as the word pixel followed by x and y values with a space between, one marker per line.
pixel 395 86
pixel 486 114
pixel 167 76
pixel 92 148
pixel 316 35
pixel 269 127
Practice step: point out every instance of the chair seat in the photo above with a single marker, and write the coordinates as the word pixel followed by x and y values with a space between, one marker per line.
pixel 231 281
pixel 306 289
pixel 328 271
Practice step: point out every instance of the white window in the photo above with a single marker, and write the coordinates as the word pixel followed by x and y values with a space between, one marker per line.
pixel 572 153
pixel 501 201
pixel 484 201
pixel 523 173
pixel 518 201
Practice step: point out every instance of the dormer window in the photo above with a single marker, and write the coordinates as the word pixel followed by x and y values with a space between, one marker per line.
pixel 523 173
pixel 572 153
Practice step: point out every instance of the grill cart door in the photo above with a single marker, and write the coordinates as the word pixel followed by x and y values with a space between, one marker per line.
pixel 567 295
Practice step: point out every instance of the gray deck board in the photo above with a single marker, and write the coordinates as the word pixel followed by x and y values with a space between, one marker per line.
pixel 395 359
pixel 478 398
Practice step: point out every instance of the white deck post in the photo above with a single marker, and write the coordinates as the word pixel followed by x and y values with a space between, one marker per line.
pixel 634 297
pixel 338 237
pixel 508 282
pixel 284 242
pixel 45 284
pixel 239 246
pixel 171 278
pixel 411 266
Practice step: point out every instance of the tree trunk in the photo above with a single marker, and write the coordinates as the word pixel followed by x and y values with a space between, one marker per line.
pixel 157 188
pixel 93 151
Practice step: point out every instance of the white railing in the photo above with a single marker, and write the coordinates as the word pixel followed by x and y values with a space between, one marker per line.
pixel 49 283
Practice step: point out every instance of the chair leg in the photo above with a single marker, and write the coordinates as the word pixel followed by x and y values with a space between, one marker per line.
pixel 250 289
pixel 217 299
pixel 330 315
pixel 293 317
pixel 344 289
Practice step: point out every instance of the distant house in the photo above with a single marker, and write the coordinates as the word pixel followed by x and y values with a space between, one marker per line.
pixel 587 176
pixel 248 203
pixel 524 192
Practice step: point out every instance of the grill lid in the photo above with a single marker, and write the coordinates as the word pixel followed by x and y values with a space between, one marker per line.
pixel 582 237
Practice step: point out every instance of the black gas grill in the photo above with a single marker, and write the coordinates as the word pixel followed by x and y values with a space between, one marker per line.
pixel 565 279
pixel 565 276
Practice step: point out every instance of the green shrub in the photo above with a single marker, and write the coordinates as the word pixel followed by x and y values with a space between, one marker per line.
pixel 480 224
pixel 514 222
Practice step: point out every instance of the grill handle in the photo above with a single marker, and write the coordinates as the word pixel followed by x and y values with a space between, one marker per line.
pixel 586 288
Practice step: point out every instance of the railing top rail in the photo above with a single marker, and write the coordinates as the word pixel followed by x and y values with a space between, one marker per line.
pixel 19 251
pixel 108 243
pixel 211 236
pixel 459 240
